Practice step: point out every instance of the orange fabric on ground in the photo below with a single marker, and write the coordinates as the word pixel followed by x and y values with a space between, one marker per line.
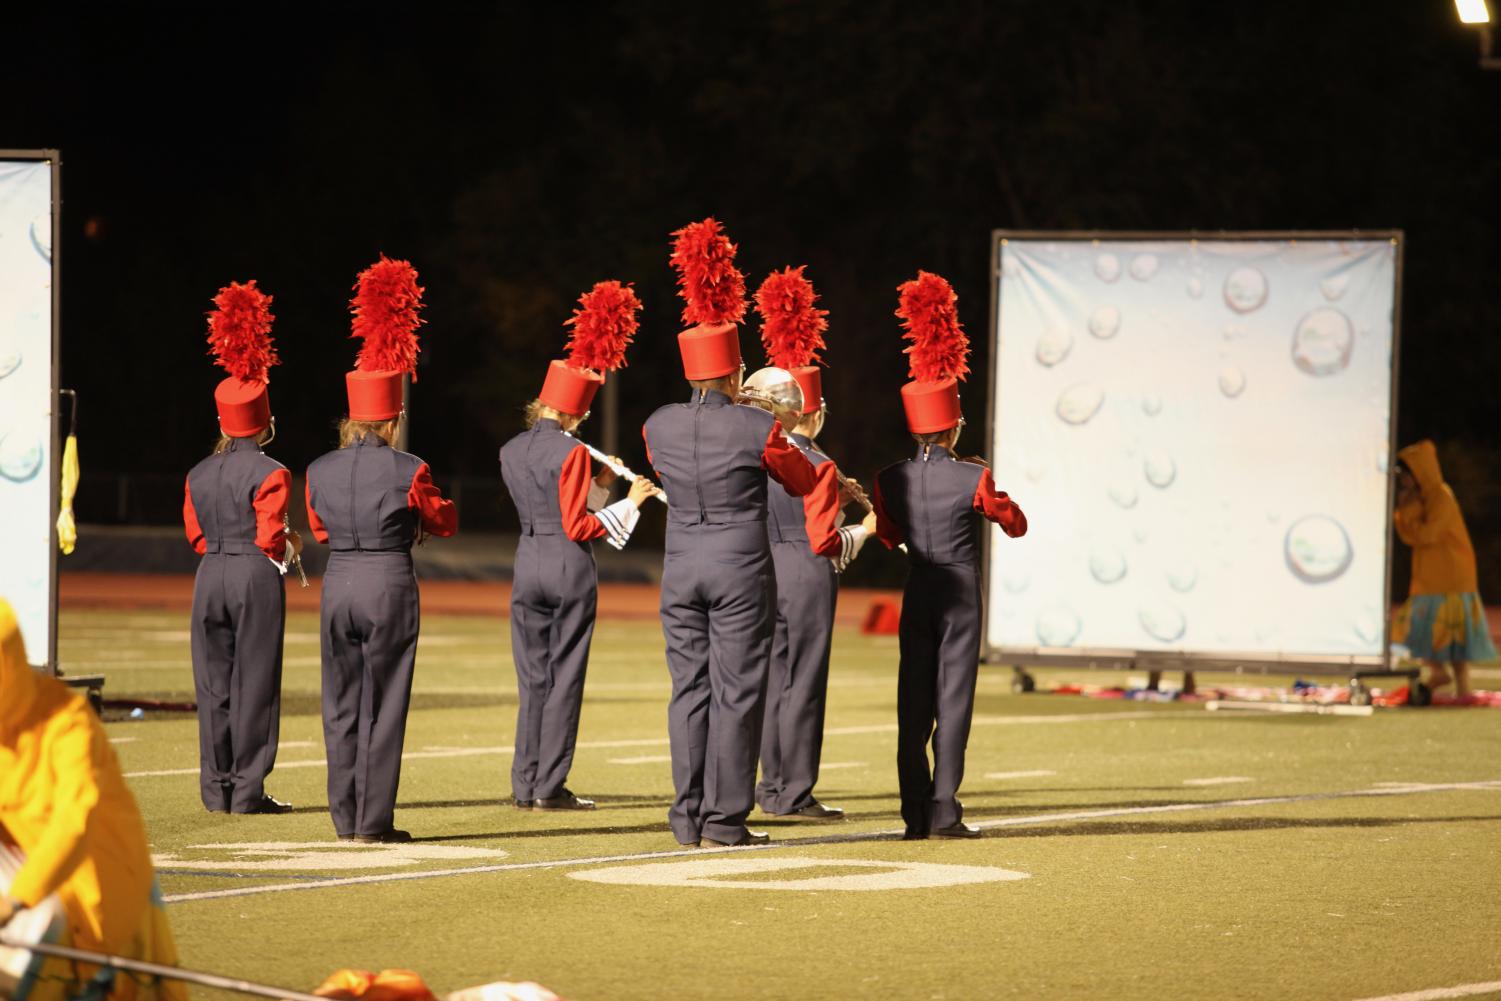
pixel 387 985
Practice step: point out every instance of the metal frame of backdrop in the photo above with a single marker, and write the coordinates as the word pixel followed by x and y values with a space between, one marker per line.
pixel 1260 662
pixel 54 159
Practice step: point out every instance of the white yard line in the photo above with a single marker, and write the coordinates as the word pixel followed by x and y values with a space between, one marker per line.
pixel 1044 818
pixel 1218 780
pixel 646 759
pixel 1101 717
pixel 1437 993
pixel 1036 774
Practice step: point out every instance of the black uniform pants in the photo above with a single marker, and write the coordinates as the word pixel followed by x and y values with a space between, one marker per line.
pixel 935 698
pixel 798 679
pixel 370 622
pixel 718 592
pixel 552 624
pixel 239 616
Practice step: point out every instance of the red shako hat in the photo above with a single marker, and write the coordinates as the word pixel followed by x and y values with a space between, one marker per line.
pixel 792 330
pixel 936 356
pixel 239 337
pixel 603 326
pixel 714 292
pixel 387 305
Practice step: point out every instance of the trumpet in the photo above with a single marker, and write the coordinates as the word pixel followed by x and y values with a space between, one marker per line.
pixel 286 522
pixel 618 469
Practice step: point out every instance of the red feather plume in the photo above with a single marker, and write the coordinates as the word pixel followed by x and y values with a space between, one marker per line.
pixel 791 326
pixel 603 326
pixel 239 331
pixel 387 304
pixel 939 347
pixel 710 283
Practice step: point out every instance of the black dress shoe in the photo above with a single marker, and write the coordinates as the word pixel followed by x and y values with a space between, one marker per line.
pixel 913 834
pixel 959 830
pixel 267 804
pixel 565 800
pixel 524 804
pixel 391 837
pixel 748 838
pixel 818 811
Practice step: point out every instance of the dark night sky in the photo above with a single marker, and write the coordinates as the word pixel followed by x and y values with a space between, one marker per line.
pixel 516 156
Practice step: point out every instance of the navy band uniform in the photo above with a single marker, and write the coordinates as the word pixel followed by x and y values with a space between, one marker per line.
pixel 804 547
pixel 234 505
pixel 934 503
pixel 712 457
pixel 553 598
pixel 368 502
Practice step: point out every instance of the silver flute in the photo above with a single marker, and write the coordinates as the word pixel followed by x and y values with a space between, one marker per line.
pixel 618 469
pixel 286 521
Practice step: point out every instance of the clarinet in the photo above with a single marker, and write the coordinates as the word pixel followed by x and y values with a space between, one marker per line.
pixel 618 469
pixel 286 521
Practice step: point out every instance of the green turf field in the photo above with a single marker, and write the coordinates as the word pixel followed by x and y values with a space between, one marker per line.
pixel 1126 856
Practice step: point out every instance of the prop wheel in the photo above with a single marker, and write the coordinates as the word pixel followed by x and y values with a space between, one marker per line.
pixel 1022 682
pixel 1419 694
pixel 1360 695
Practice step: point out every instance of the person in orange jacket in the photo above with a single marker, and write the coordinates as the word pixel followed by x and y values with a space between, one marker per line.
pixel 1443 620
pixel 65 805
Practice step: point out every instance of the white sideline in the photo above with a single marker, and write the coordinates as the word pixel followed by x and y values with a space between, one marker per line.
pixel 466 752
pixel 1438 993
pixel 1045 818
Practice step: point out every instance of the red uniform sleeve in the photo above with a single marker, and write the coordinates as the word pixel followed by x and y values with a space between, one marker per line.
pixel 820 509
pixel 573 496
pixel 787 464
pixel 887 530
pixel 320 531
pixel 649 460
pixel 999 508
pixel 190 520
pixel 271 514
pixel 439 516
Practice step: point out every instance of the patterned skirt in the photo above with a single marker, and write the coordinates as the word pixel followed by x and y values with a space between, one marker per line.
pixel 1444 627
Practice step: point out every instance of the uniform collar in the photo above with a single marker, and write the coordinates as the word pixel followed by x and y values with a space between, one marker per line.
pixel 927 452
pixel 244 444
pixel 372 439
pixel 546 424
pixel 710 397
pixel 801 439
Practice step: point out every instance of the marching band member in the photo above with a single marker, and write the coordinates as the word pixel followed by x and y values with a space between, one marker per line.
pixel 712 456
pixel 555 585
pixel 234 510
pixel 370 503
pixel 933 502
pixel 808 549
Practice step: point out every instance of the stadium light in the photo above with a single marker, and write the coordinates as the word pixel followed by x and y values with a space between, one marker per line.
pixel 1478 13
pixel 1473 11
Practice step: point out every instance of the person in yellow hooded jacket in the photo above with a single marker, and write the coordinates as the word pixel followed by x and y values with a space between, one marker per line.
pixel 1443 620
pixel 65 805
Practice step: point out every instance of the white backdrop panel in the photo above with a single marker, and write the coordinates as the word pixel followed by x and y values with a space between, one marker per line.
pixel 26 396
pixel 1199 432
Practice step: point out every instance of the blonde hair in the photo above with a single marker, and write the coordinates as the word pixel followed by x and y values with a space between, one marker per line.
pixel 222 445
pixel 536 411
pixel 948 438
pixel 351 431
